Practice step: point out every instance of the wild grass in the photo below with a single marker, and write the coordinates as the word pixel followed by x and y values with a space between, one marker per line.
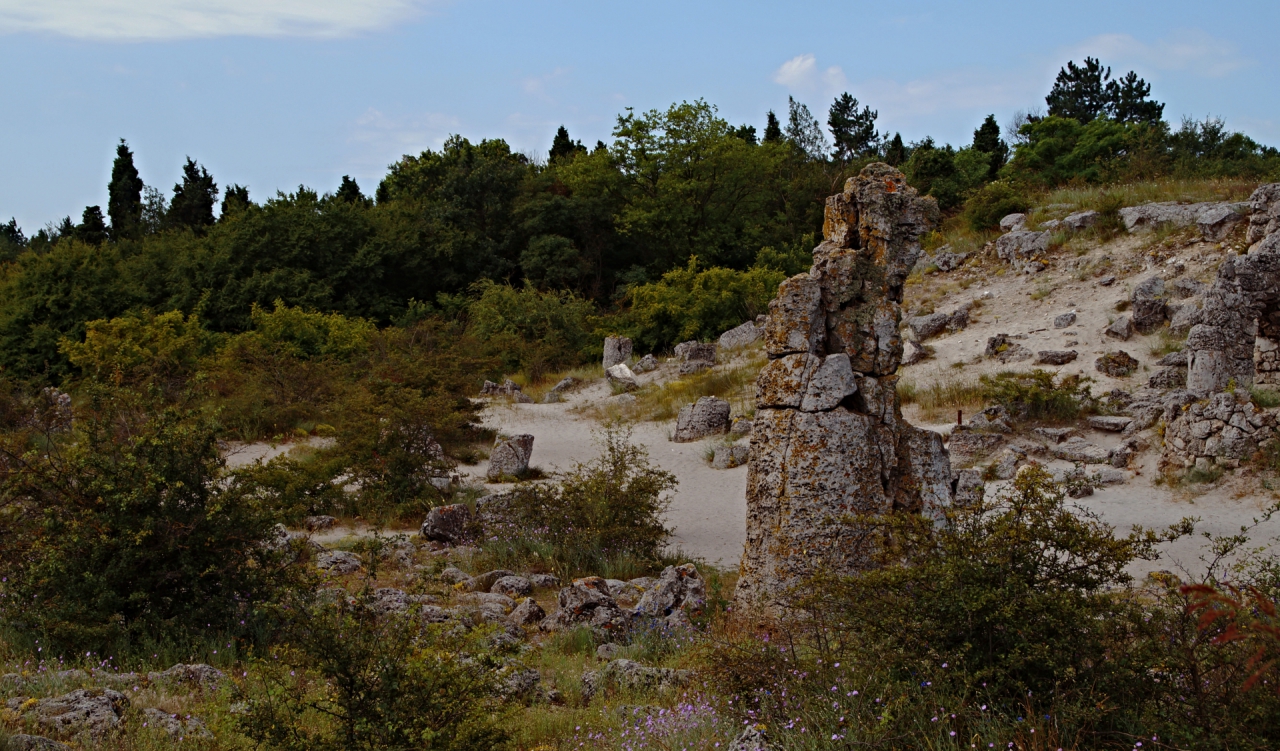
pixel 941 398
pixel 735 382
pixel 1133 194
pixel 1166 342
pixel 538 388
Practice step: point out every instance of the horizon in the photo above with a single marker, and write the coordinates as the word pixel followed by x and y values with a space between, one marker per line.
pixel 277 95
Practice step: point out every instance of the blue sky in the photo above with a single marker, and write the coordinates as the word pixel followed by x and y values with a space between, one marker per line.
pixel 277 93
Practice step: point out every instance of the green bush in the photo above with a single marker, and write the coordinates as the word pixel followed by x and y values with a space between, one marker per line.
pixel 530 330
pixel 125 528
pixel 692 303
pixel 1039 394
pixel 993 202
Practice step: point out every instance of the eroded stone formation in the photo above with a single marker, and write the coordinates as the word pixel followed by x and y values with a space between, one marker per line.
pixel 828 439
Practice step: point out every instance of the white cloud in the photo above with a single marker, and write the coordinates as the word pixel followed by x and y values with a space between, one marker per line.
pixel 800 74
pixel 538 85
pixel 153 20
pixel 386 138
pixel 1192 51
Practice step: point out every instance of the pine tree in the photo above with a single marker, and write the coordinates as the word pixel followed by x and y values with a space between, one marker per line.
pixel 804 131
pixel 772 129
pixel 987 140
pixel 193 198
pixel 1129 103
pixel 563 146
pixel 12 241
pixel 92 228
pixel 896 152
pixel 1080 93
pixel 349 191
pixel 746 133
pixel 124 195
pixel 853 130
pixel 235 199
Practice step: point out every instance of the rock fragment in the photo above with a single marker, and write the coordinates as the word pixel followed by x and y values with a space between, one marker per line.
pixel 707 417
pixel 510 456
pixel 617 350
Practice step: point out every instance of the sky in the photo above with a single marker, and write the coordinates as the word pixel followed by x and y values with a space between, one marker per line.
pixel 274 94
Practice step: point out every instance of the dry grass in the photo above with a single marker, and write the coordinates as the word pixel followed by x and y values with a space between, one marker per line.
pixel 1133 194
pixel 942 398
pixel 539 389
pixel 734 381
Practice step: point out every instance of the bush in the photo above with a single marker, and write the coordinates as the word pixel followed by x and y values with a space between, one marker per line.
pixel 689 303
pixel 993 202
pixel 125 529
pixel 351 677
pixel 141 348
pixel 1039 395
pixel 603 518
pixel 537 332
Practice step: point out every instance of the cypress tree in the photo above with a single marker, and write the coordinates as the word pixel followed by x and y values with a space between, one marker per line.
pixel 348 191
pixel 124 195
pixel 235 199
pixel 896 152
pixel 987 140
pixel 193 198
pixel 92 228
pixel 772 129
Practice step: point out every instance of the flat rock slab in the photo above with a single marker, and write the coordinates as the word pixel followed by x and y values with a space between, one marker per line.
pixel 1111 424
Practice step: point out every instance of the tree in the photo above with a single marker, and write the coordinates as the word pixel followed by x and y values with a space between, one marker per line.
pixel 562 146
pixel 193 198
pixel 12 241
pixel 853 130
pixel 92 228
pixel 349 192
pixel 236 199
pixel 987 140
pixel 804 131
pixel 746 133
pixel 124 195
pixel 1080 93
pixel 772 130
pixel 1129 101
pixel 896 152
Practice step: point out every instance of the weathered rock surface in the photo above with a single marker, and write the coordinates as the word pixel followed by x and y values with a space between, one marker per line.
pixel 1022 245
pixel 512 586
pixel 1121 328
pixel 1005 349
pixel 646 364
pixel 617 349
pixel 95 711
pixel 1241 307
pixel 1264 216
pixel 728 457
pixel 968 446
pixel 1081 220
pixel 695 357
pixel 1224 429
pixel 1080 450
pixel 753 737
pixel 510 456
pixel 24 742
pixel 175 725
pixel 632 676
pixel 1118 364
pixel 1217 222
pixel 1168 378
pixel 448 524
pixel 678 588
pixel 828 441
pixel 588 601
pixel 707 417
pixel 483 582
pixel 1148 305
pixel 527 613
pixel 946 261
pixel 1066 320
pixel 338 562
pixel 1109 423
pixel 740 336
pixel 622 377
pixel 1013 222
pixel 1055 356
pixel 1153 215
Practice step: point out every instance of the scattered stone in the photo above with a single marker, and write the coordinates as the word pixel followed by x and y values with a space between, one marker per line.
pixel 527 613
pixel 741 427
pixel 621 376
pixel 708 416
pixel 754 737
pixel 586 601
pixel 1264 212
pixel 339 562
pixel 1021 245
pixel 1174 360
pixel 1111 424
pixel 913 353
pixel 1055 356
pixel 96 711
pixel 513 587
pixel 318 523
pixel 617 350
pixel 1153 215
pixel 1121 328
pixel 926 327
pixel 510 455
pixel 1081 220
pixel 1050 225
pixel 1056 435
pixel 695 357
pixel 176 726
pixel 1066 320
pixel 740 336
pixel 543 581
pixel 508 388
pixel 1168 378
pixel 646 364
pixel 1013 222
pixel 1148 305
pixel 1080 450
pixel 448 524
pixel 728 457
pixel 1118 364
pixel 1006 350
pixel 678 588
pixel 389 600
pixel 946 261
pixel 632 676
pixel 483 582
pixel 24 742
pixel 1106 281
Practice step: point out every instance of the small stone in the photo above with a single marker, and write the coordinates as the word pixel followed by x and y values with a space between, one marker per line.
pixel 1106 281
pixel 513 587
pixel 925 327
pixel 510 455
pixel 728 457
pixel 565 384
pixel 741 426
pixel 1055 356
pixel 338 562
pixel 1174 359
pixel 543 581
pixel 646 364
pixel 1116 364
pixel 708 416
pixel 1121 328
pixel 621 376
pixel 1013 222
pixel 527 613
pixel 1081 220
pixel 740 336
pixel 447 524
pixel 1111 424
pixel 913 353
pixel 1065 320
pixel 695 357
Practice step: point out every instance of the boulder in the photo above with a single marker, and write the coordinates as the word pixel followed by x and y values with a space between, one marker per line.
pixel 1111 424
pixel 1080 450
pixel 175 725
pixel 617 350
pixel 695 357
pixel 1021 245
pixel 24 742
pixel 448 524
pixel 1056 435
pixel 510 455
pixel 1153 215
pixel 913 353
pixel 96 711
pixel 319 523
pixel 1066 320
pixel 632 676
pixel 1216 222
pixel 646 364
pixel 1006 350
pixel 1148 305
pixel 620 376
pixel 1055 356
pixel 1118 364
pixel 1264 212
pixel 527 613
pixel 1173 359
pixel 483 582
pixel 1185 287
pixel 728 457
pixel 512 586
pixel 926 327
pixel 708 416
pixel 454 575
pixel 795 323
pixel 1013 222
pixel 338 562
pixel 1186 316
pixel 507 388
pixel 1121 328
pixel 946 261
pixel 544 581
pixel 586 601
pixel 740 336
pixel 1081 220
pixel 678 588
pixel 566 384
pixel 1168 378
pixel 967 446
pixel 741 426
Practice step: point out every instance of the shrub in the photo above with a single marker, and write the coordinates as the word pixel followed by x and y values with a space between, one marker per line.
pixel 1039 395
pixel 125 529
pixel 141 348
pixel 689 303
pixel 526 329
pixel 993 202
pixel 351 677
pixel 603 518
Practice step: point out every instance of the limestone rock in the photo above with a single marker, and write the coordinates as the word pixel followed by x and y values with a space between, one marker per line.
pixel 741 426
pixel 632 676
pixel 1080 450
pixel 678 588
pixel 510 455
pixel 174 725
pixel 24 742
pixel 1216 222
pixel 96 711
pixel 1013 222
pixel 527 613
pixel 338 562
pixel 543 581
pixel 1183 288
pixel 708 416
pixel 967 446
pixel 1264 216
pixel 1224 429
pixel 448 524
pixel 483 582
pixel 1121 328
pixel 1055 356
pixel 586 601
pixel 621 376
pixel 617 349
pixel 1006 350
pixel 1118 364
pixel 831 382
pixel 512 586
pixel 645 364
pixel 508 388
pixel 1153 215
pixel 913 353
pixel 1148 304
pixel 728 457
pixel 947 261
pixel 318 523
pixel 740 336
pixel 754 737
pixel 926 327
pixel 695 357
pixel 1081 220
pixel 1066 320
pixel 795 322
pixel 1173 359
pixel 1022 245
pixel 1168 378
pixel 1111 424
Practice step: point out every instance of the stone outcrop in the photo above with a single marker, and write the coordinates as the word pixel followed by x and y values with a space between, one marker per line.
pixel 617 349
pixel 510 456
pixel 1242 306
pixel 96 711
pixel 1013 222
pixel 1118 364
pixel 740 336
pixel 1264 212
pixel 586 601
pixel 1153 215
pixel 1224 430
pixel 448 524
pixel 507 388
pixel 621 377
pixel 1022 245
pixel 828 439
pixel 707 417
pixel 1148 305
pixel 695 357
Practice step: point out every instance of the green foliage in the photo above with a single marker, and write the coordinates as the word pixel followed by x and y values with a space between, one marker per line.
pixel 993 202
pixel 1085 93
pixel 1264 398
pixel 689 303
pixel 604 517
pixel 124 202
pixel 804 132
pixel 946 174
pixel 987 140
pixel 352 677
pixel 853 130
pixel 772 128
pixel 193 198
pixel 124 528
pixel 92 229
pixel 140 348
pixel 537 332
pixel 1039 394
pixel 1058 149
